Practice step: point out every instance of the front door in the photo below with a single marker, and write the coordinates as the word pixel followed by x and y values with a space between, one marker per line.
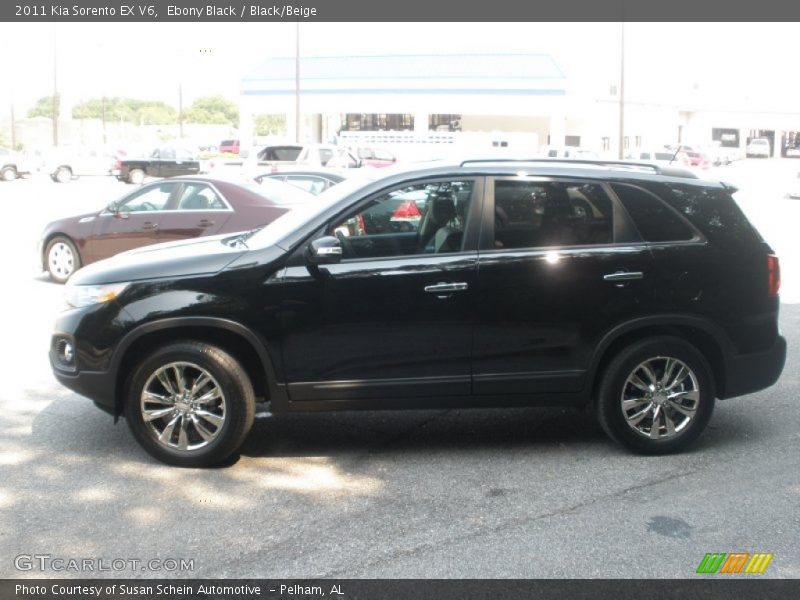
pixel 394 317
pixel 197 209
pixel 560 266
pixel 134 223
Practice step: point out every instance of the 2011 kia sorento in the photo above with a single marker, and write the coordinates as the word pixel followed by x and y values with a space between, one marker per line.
pixel 636 289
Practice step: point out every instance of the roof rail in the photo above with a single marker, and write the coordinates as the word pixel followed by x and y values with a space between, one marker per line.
pixel 620 164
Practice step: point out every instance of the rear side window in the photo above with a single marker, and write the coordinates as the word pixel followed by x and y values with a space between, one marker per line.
pixel 714 212
pixel 536 214
pixel 655 221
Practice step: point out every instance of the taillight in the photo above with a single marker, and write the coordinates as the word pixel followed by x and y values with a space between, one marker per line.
pixel 773 274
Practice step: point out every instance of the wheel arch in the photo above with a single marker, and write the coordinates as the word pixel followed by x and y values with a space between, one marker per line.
pixel 233 337
pixel 709 339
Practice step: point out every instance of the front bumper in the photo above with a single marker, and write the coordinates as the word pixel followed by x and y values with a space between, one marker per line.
pixel 98 386
pixel 748 373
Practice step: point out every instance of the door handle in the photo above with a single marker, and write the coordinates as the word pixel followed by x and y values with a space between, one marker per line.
pixel 624 276
pixel 205 223
pixel 621 278
pixel 445 288
pixel 149 225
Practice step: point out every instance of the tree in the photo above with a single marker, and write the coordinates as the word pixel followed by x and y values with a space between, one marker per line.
pixel 212 109
pixel 270 124
pixel 44 107
pixel 132 110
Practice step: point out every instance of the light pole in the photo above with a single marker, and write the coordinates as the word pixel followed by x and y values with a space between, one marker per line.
pixel 297 85
pixel 622 91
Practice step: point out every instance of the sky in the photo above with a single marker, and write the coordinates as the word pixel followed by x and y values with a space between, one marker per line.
pixel 724 64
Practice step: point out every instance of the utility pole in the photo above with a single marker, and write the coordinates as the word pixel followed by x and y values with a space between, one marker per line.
pixel 297 85
pixel 55 87
pixel 622 92
pixel 13 127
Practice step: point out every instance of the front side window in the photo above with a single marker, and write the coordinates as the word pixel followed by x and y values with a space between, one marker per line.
pixel 147 200
pixel 537 214
pixel 427 218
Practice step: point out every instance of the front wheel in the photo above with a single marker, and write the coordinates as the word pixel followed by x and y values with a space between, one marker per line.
pixel 61 259
pixel 190 404
pixel 9 174
pixel 656 396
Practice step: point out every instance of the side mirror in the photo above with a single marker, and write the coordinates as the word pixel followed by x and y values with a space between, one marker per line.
pixel 324 251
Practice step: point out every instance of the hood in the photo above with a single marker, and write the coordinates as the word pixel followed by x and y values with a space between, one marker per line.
pixel 197 256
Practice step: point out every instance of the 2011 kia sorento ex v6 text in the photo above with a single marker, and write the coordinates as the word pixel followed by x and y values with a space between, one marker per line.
pixel 638 290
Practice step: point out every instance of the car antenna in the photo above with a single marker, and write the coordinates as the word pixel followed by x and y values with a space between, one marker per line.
pixel 674 156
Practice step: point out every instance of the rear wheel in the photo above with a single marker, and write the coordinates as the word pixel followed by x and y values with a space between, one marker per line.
pixel 656 396
pixel 190 404
pixel 63 175
pixel 136 176
pixel 8 174
pixel 61 258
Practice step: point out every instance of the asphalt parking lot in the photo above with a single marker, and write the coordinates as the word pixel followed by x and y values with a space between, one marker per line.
pixel 522 493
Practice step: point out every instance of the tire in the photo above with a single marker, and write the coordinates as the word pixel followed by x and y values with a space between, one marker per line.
pixel 8 174
pixel 61 259
pixel 620 402
pixel 62 175
pixel 183 431
pixel 136 176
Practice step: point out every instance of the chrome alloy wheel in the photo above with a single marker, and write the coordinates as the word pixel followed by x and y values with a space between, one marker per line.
pixel 660 398
pixel 61 260
pixel 183 406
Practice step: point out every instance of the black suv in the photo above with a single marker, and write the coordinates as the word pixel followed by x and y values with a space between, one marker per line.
pixel 639 291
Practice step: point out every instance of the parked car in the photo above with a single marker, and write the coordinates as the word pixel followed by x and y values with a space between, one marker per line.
pixel 374 157
pixel 328 155
pixel 162 162
pixel 281 154
pixel 662 156
pixel 65 164
pixel 641 294
pixel 229 147
pixel 759 147
pixel 568 152
pixel 176 209
pixel 14 165
pixel 312 181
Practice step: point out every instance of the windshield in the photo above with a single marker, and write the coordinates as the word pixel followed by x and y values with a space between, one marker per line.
pixel 303 213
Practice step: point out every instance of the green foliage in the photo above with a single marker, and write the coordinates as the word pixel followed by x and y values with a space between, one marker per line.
pixel 44 107
pixel 270 124
pixel 131 110
pixel 212 109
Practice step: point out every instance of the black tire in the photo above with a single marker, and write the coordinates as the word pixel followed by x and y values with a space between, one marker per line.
pixel 615 386
pixel 61 270
pixel 62 175
pixel 8 174
pixel 136 176
pixel 237 394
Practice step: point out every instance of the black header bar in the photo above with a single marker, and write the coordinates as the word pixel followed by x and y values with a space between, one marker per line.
pixel 188 11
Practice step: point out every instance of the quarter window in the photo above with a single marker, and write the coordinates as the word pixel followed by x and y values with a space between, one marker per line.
pixel 655 221
pixel 534 214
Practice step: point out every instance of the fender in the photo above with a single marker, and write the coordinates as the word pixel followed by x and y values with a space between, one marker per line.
pixel 695 321
pixel 277 392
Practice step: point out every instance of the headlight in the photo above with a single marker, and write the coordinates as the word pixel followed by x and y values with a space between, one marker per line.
pixel 85 295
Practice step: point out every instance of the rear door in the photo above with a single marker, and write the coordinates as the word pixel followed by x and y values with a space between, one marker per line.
pixel 196 209
pixel 559 265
